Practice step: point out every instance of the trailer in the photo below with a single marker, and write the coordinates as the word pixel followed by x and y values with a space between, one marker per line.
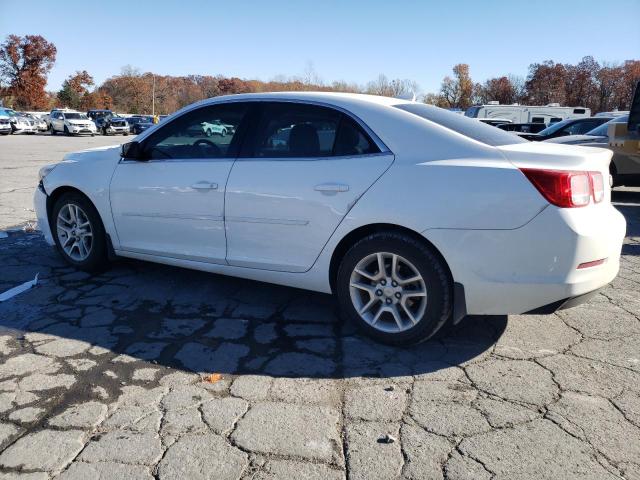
pixel 547 114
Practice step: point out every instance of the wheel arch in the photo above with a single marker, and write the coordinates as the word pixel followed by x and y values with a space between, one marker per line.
pixel 361 232
pixel 53 197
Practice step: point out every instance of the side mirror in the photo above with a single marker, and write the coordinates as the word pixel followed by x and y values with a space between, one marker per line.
pixel 133 151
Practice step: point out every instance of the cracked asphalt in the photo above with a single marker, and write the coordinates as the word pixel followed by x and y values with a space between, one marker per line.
pixel 147 371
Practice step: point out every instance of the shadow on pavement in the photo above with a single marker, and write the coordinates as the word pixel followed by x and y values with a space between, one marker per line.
pixel 205 323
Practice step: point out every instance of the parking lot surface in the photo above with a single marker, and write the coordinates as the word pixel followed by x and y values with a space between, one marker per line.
pixel 147 371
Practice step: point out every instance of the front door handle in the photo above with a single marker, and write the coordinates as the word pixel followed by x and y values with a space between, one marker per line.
pixel 205 186
pixel 330 188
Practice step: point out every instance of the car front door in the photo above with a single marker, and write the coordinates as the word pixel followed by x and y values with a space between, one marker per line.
pixel 299 173
pixel 172 202
pixel 56 123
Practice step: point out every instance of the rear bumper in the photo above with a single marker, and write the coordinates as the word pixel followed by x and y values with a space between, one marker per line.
pixel 40 206
pixel 564 304
pixel 534 267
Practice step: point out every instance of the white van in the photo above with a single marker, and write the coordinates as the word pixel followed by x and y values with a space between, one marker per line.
pixel 527 114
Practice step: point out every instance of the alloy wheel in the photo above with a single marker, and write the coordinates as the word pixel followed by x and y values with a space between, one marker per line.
pixel 388 292
pixel 75 233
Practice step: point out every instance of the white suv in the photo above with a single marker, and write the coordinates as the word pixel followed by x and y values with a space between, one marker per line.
pixel 71 123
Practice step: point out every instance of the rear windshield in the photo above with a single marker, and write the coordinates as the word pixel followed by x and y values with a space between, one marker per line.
pixel 466 126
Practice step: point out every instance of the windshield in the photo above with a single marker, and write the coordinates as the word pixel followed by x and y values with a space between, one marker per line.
pixel 75 116
pixel 8 112
pixel 471 128
pixel 603 130
pixel 554 127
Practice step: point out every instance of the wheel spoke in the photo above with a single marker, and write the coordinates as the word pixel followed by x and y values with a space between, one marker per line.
pixel 409 313
pixel 396 315
pixel 406 281
pixel 414 293
pixel 367 306
pixel 370 289
pixel 367 275
pixel 382 270
pixel 394 267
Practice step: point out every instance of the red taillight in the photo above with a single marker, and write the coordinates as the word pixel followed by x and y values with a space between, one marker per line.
pixel 560 187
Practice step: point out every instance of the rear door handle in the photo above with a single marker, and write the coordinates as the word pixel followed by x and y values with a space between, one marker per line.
pixel 331 188
pixel 205 186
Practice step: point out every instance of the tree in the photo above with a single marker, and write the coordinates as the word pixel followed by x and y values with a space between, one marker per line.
pixel 25 63
pixel 457 92
pixel 497 89
pixel 581 84
pixel 546 83
pixel 74 89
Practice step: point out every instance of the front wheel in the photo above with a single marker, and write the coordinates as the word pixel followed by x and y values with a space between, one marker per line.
pixel 78 232
pixel 395 288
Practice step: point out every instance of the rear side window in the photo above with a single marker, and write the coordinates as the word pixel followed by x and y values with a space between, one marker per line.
pixel 296 130
pixel 461 124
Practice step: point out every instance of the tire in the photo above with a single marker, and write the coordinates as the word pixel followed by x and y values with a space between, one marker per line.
pixel 66 131
pixel 53 130
pixel 104 131
pixel 96 259
pixel 415 260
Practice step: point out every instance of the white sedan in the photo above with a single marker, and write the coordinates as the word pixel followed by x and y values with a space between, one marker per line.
pixel 411 215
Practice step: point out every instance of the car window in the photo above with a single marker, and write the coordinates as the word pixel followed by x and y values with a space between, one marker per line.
pixel 603 130
pixel 297 130
pixel 462 124
pixel 208 132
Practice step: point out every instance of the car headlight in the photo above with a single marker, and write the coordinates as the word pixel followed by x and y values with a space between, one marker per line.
pixel 46 170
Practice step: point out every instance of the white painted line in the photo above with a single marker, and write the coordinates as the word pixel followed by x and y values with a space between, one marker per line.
pixel 12 292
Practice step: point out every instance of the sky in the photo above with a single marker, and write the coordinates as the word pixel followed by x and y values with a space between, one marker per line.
pixel 353 41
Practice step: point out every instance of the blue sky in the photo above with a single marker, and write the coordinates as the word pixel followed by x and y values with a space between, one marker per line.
pixel 344 40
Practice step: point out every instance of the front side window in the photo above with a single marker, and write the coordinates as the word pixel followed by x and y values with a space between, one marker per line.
pixel 296 130
pixel 208 132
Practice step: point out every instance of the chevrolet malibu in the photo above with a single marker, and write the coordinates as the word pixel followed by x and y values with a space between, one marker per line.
pixel 411 215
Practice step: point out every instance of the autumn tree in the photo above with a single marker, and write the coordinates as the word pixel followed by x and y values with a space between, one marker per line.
pixel 497 89
pixel 457 91
pixel 25 63
pixel 74 90
pixel 581 87
pixel 546 83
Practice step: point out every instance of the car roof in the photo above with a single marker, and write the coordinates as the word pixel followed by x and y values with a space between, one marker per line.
pixel 333 98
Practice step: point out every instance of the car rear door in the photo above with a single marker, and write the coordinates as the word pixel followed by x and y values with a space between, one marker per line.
pixel 301 171
pixel 173 203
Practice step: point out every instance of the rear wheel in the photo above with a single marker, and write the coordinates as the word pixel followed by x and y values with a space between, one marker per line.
pixel 395 288
pixel 79 233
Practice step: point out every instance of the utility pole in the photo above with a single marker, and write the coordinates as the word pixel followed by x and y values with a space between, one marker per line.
pixel 153 97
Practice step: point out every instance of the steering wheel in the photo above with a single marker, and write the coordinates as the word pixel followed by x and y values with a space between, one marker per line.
pixel 208 143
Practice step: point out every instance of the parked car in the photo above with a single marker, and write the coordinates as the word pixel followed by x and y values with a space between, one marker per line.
pixel 412 215
pixel 71 123
pixel 97 113
pixel 523 127
pixel 18 123
pixel 112 125
pixel 5 126
pixel 139 123
pixel 495 122
pixel 39 124
pixel 623 168
pixel 573 126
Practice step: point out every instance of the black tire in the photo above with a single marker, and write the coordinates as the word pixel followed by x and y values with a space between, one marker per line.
pixel 98 258
pixel 104 131
pixel 434 272
pixel 66 131
pixel 53 130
